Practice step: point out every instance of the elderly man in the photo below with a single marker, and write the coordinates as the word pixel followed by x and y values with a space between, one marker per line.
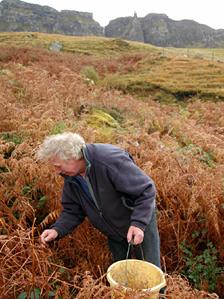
pixel 102 182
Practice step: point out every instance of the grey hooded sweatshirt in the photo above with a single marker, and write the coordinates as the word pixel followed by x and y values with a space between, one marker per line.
pixel 122 194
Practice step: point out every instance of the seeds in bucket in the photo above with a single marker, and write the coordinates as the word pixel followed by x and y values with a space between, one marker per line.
pixel 130 278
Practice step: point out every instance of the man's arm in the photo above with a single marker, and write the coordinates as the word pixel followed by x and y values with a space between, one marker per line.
pixel 71 216
pixel 130 180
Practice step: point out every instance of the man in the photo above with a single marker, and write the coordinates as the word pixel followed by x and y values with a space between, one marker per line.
pixel 102 182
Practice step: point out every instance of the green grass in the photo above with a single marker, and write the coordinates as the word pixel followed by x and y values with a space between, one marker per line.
pixel 182 78
pixel 91 45
pixel 87 45
pixel 213 54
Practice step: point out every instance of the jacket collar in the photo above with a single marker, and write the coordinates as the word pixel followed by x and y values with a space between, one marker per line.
pixel 88 164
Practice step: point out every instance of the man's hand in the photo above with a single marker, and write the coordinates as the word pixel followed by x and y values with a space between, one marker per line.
pixel 135 234
pixel 48 235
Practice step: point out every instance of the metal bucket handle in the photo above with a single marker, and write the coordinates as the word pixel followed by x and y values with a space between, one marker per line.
pixel 131 243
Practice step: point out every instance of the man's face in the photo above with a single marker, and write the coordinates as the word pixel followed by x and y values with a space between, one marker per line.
pixel 68 167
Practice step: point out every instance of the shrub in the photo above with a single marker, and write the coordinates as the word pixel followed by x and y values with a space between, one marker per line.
pixel 58 128
pixel 90 73
pixel 11 137
pixel 202 270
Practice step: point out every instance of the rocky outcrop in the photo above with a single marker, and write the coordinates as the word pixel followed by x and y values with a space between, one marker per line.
pixel 128 28
pixel 17 15
pixel 159 30
pixel 156 29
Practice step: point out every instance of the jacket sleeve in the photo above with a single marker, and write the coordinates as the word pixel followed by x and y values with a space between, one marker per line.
pixel 130 180
pixel 72 214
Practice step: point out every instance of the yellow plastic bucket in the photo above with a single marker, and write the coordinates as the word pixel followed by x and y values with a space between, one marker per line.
pixel 137 275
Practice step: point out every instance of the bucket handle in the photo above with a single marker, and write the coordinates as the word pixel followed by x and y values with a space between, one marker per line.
pixel 131 243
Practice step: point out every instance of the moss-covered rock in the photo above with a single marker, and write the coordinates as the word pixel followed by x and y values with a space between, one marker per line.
pixel 99 119
pixel 105 125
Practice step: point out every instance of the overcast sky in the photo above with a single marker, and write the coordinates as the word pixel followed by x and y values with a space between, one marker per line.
pixel 209 12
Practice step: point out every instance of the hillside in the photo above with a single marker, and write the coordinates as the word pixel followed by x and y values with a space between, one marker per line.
pixel 156 29
pixel 166 109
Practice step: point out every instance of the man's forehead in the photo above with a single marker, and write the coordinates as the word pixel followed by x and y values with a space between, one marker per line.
pixel 55 161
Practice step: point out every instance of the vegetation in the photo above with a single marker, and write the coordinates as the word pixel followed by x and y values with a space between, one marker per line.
pixel 166 111
pixel 202 269
pixel 99 46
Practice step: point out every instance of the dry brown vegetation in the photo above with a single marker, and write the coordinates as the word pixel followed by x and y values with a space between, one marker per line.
pixel 180 145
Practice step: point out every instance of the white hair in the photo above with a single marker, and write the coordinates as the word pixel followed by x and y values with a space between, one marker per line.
pixel 64 146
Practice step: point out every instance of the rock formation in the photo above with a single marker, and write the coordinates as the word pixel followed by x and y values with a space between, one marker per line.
pixel 156 29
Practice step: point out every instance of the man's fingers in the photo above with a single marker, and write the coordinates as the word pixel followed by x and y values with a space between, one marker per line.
pixel 138 238
pixel 43 239
pixel 135 234
pixel 48 235
pixel 129 235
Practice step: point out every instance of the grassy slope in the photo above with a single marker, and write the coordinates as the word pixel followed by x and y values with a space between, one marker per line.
pixel 98 46
pixel 153 71
pixel 180 146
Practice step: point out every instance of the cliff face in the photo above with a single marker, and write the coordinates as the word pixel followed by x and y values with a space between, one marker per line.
pixel 156 29
pixel 162 31
pixel 128 28
pixel 17 15
pixel 159 30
